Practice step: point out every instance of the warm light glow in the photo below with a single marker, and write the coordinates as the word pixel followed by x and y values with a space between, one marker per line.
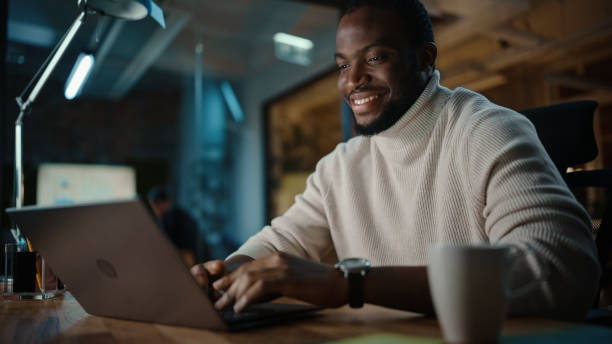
pixel 79 75
pixel 295 41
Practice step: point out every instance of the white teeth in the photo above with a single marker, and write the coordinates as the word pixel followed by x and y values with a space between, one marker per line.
pixel 364 100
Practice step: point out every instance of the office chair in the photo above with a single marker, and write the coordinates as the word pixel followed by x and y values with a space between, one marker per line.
pixel 566 131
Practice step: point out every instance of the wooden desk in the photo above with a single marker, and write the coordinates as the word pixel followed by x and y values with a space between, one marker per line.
pixel 64 320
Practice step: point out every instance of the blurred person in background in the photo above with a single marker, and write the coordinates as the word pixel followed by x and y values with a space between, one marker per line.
pixel 180 226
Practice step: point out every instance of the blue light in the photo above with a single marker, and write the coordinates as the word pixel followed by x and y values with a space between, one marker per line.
pixel 78 76
pixel 232 101
pixel 156 13
pixel 32 34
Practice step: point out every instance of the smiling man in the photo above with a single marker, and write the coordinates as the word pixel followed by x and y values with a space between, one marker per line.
pixel 382 71
pixel 431 165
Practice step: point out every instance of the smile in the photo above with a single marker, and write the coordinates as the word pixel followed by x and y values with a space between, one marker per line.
pixel 365 100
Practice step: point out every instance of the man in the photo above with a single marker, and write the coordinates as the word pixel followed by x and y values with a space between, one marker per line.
pixel 431 165
pixel 180 227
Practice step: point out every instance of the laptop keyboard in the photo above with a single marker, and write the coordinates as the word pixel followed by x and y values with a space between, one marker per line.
pixel 261 311
pixel 251 313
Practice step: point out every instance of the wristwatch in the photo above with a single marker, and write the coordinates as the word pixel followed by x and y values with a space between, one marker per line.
pixel 354 269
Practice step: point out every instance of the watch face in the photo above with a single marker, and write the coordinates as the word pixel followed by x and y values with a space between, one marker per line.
pixel 354 264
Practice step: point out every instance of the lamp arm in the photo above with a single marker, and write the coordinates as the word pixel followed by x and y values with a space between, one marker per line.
pixel 55 56
pixel 47 68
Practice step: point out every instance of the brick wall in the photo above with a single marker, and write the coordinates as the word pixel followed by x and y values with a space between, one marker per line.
pixel 141 131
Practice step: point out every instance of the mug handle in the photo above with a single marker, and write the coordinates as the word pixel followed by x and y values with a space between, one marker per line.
pixel 513 252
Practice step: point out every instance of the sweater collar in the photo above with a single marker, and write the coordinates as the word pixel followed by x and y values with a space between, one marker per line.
pixel 418 121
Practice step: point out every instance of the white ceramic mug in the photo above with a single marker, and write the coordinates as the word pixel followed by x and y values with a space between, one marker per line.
pixel 469 286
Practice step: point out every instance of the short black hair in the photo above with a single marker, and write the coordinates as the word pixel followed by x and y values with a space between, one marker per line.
pixel 414 15
pixel 160 193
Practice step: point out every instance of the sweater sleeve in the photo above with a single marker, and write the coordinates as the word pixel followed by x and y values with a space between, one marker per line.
pixel 302 230
pixel 525 203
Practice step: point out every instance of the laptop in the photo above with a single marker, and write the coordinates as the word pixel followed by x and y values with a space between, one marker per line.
pixel 118 263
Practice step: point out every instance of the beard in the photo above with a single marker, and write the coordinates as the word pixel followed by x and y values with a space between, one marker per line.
pixel 411 86
pixel 389 116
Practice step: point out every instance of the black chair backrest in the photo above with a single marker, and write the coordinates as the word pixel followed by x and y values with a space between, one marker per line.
pixel 566 131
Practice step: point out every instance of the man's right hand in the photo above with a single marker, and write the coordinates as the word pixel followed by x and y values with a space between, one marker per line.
pixel 208 272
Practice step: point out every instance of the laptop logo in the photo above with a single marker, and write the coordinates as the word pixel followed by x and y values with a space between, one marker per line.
pixel 106 268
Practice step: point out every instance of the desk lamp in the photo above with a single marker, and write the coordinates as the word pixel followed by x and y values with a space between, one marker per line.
pixel 121 9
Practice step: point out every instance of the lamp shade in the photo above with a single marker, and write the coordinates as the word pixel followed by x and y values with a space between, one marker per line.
pixel 127 9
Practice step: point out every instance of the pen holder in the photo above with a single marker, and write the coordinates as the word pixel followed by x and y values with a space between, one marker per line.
pixel 26 276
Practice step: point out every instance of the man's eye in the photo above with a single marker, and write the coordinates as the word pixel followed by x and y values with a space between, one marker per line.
pixel 375 59
pixel 342 67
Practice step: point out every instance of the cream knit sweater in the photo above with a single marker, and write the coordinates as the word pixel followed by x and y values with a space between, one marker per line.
pixel 455 168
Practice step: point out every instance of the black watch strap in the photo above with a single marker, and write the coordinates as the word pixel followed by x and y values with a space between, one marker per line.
pixel 355 281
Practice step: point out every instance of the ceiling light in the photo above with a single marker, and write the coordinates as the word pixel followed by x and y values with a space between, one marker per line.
pixel 295 41
pixel 32 34
pixel 293 49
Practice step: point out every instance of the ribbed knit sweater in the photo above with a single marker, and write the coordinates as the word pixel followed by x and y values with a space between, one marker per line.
pixel 455 168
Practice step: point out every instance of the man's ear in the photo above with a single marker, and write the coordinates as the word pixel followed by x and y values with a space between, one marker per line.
pixel 427 57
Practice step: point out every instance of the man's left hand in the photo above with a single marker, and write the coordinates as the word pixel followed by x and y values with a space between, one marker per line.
pixel 280 274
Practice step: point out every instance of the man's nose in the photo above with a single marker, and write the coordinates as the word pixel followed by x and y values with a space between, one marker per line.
pixel 358 76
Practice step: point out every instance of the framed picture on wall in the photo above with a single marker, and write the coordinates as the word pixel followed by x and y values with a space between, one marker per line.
pixel 302 126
